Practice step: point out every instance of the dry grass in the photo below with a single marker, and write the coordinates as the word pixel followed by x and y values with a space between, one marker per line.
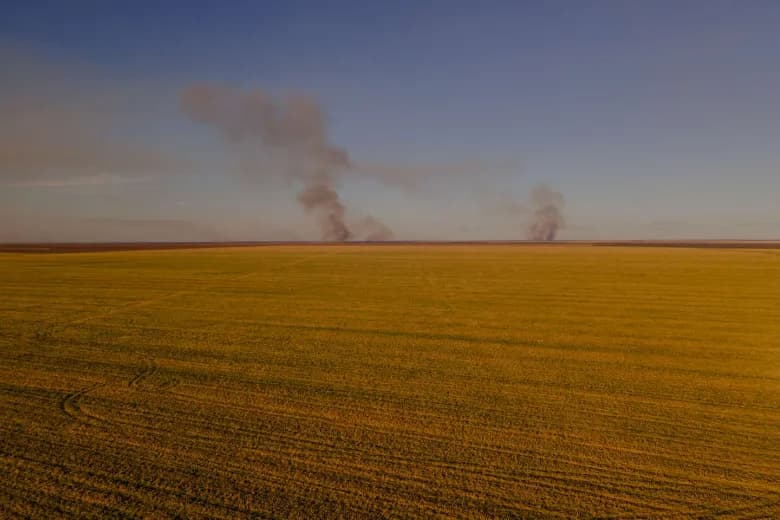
pixel 412 381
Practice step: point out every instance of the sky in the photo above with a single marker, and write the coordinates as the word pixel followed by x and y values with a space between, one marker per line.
pixel 645 120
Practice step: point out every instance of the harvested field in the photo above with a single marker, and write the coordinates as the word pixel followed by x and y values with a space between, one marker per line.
pixel 398 380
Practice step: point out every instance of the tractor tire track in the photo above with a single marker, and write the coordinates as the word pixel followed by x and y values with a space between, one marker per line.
pixel 150 369
pixel 71 405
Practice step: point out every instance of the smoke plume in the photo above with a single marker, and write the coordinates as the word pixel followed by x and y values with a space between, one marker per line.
pixel 372 230
pixel 293 130
pixel 547 213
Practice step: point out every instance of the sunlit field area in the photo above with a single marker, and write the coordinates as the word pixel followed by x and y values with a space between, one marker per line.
pixel 455 381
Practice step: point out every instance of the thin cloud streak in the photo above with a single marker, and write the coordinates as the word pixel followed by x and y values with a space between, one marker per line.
pixel 63 125
pixel 93 180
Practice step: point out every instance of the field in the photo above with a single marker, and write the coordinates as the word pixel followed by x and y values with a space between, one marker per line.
pixel 403 381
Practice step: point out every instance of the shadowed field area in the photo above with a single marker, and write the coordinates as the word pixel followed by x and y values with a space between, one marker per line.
pixel 401 380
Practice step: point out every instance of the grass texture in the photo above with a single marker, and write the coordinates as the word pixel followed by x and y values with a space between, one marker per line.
pixel 419 381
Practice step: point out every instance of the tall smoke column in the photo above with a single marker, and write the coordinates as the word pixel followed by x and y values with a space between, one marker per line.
pixel 547 213
pixel 293 128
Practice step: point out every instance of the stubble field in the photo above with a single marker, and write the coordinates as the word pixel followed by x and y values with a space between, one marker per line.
pixel 400 381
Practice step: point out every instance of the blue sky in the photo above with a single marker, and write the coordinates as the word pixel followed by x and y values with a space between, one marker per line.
pixel 654 119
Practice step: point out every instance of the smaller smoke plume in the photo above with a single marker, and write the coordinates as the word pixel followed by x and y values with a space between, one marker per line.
pixel 372 230
pixel 547 213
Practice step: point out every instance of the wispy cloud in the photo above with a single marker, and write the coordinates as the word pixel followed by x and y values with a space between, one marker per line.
pixel 152 229
pixel 62 125
pixel 90 180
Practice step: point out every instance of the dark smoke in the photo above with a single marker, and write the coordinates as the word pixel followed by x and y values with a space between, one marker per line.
pixel 292 127
pixel 547 213
pixel 323 200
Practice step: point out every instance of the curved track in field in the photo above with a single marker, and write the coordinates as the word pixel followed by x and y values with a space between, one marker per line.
pixel 150 369
pixel 72 407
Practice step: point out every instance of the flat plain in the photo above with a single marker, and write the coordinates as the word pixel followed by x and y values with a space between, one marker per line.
pixel 457 381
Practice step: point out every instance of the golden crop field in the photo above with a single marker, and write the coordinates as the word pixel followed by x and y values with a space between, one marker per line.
pixel 360 381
